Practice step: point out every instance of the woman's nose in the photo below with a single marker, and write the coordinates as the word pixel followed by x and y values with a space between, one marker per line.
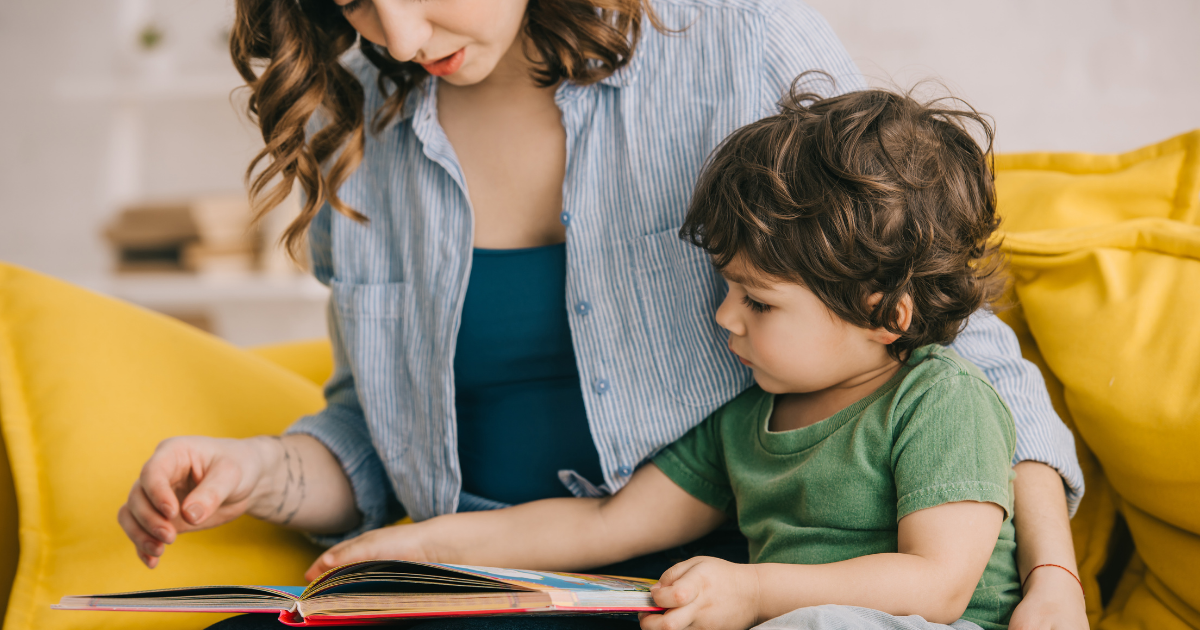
pixel 406 29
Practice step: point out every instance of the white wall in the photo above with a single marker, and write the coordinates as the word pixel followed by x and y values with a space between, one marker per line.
pixel 1059 75
pixel 1088 75
pixel 55 153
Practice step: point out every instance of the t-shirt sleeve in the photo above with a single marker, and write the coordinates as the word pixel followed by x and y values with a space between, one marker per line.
pixel 696 463
pixel 798 40
pixel 956 445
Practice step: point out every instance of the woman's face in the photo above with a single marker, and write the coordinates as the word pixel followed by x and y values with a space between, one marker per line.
pixel 458 40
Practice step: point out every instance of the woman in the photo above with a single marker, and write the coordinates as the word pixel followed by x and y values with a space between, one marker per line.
pixel 478 165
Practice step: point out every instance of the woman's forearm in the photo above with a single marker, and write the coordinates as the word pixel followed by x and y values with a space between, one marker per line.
pixel 1052 597
pixel 1040 517
pixel 303 486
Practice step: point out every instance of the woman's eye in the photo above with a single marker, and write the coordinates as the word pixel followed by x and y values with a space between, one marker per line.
pixel 755 305
pixel 352 6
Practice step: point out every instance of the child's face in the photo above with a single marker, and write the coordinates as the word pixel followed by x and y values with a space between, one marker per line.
pixel 792 341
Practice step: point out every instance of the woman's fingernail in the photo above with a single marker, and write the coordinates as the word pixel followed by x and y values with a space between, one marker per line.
pixel 164 535
pixel 193 513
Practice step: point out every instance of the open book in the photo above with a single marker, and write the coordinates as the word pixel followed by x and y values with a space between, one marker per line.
pixel 376 591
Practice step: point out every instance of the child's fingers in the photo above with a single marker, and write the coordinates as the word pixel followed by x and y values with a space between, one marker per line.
pixel 390 543
pixel 681 593
pixel 674 573
pixel 331 558
pixel 674 619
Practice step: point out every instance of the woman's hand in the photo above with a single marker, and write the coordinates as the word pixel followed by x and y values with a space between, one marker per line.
pixel 705 594
pixel 397 542
pixel 1053 601
pixel 191 483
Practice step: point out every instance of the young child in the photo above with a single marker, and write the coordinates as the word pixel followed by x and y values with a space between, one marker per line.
pixel 870 466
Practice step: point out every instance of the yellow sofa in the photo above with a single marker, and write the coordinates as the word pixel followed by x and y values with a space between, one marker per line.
pixel 1105 253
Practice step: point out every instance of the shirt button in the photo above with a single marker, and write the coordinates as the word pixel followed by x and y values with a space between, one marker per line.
pixel 601 386
pixel 565 218
pixel 583 308
pixel 625 471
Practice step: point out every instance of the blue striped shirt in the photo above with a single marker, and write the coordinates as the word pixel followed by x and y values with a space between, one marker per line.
pixel 652 361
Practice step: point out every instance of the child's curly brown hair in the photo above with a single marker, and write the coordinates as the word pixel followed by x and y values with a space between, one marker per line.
pixel 864 193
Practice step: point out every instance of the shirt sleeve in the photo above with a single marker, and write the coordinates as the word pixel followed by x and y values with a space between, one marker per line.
pixel 1041 435
pixel 955 445
pixel 341 425
pixel 798 40
pixel 696 463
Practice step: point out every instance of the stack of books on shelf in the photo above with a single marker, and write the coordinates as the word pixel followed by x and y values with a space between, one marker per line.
pixel 211 234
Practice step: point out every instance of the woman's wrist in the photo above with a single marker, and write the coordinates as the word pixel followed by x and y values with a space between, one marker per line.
pixel 1052 579
pixel 266 456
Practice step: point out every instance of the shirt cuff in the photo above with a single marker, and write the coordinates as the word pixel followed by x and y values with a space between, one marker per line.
pixel 345 435
pixel 934 496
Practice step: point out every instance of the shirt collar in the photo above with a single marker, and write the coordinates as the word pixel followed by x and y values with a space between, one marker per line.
pixel 420 97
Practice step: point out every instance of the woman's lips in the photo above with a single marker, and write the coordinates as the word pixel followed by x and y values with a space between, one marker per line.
pixel 446 65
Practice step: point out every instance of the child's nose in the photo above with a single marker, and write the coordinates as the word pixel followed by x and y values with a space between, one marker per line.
pixel 726 317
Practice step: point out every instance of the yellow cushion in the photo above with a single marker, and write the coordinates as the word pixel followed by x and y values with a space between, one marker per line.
pixel 1092 526
pixel 311 359
pixel 88 387
pixel 1106 258
pixel 1039 191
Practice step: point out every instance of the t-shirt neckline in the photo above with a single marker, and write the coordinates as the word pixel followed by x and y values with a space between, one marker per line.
pixel 797 440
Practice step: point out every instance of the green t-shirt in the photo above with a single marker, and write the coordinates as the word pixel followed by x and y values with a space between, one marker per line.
pixel 935 433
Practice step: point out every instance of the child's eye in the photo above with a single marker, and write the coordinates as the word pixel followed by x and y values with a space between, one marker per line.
pixel 755 305
pixel 352 6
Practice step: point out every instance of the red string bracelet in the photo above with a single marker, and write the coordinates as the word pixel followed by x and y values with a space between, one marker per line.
pixel 1069 572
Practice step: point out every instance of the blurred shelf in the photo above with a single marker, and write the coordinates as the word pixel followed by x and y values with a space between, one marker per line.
pixel 244 309
pixel 166 291
pixel 150 88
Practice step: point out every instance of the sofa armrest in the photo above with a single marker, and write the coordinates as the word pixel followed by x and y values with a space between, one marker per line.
pixel 311 359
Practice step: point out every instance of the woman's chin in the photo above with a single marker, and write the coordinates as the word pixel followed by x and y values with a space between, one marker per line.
pixel 469 74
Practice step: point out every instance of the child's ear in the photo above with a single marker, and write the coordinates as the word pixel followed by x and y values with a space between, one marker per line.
pixel 904 313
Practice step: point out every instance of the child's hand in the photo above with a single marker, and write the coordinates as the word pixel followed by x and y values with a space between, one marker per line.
pixel 705 594
pixel 398 542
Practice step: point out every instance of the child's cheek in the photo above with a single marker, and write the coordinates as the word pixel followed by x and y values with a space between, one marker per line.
pixel 786 356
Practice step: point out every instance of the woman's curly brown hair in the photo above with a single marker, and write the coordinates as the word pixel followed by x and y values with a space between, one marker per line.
pixel 864 193
pixel 288 52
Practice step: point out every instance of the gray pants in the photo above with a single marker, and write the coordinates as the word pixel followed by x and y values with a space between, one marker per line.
pixel 831 617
